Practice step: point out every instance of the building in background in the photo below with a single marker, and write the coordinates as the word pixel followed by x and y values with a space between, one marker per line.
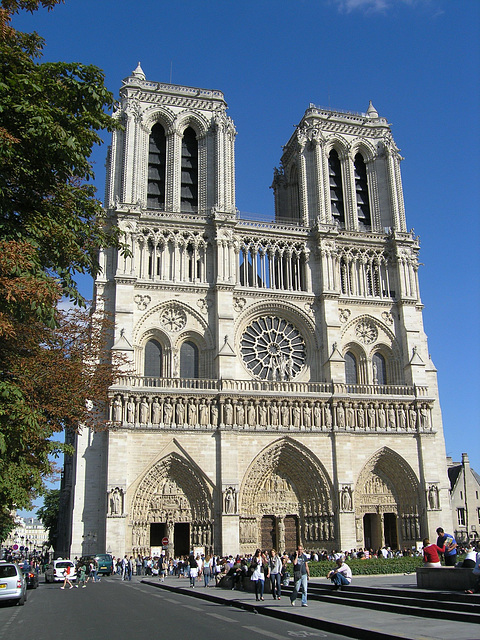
pixel 465 491
pixel 283 390
pixel 29 535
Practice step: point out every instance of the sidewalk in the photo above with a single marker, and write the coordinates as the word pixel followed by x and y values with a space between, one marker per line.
pixel 352 622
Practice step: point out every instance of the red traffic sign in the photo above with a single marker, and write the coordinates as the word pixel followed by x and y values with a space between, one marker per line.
pixel 164 542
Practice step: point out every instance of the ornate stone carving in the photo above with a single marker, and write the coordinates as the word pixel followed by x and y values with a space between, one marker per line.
pixel 387 317
pixel 230 501
pixel 344 315
pixel 173 318
pixel 345 498
pixel 366 331
pixel 115 502
pixel 239 304
pixel 433 498
pixel 142 302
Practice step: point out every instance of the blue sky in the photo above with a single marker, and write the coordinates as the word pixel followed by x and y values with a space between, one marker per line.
pixel 417 60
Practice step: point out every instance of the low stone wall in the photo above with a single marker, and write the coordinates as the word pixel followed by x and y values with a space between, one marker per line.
pixel 449 578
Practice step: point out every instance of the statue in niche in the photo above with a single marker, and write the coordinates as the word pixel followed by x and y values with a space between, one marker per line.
pixel 144 411
pixel 240 419
pixel 167 412
pixel 192 412
pixel 412 414
pixel 346 499
pixel 433 501
pixel 402 419
pixel 371 417
pixel 361 418
pixel 274 414
pixel 251 414
pixel 382 419
pixel 285 414
pixel 131 411
pixel 116 502
pixel 424 417
pixel 392 422
pixel 229 501
pixel 296 413
pixel 340 416
pixel 117 409
pixel 307 415
pixel 262 414
pixel 350 414
pixel 214 414
pixel 179 412
pixel 155 412
pixel 203 411
pixel 375 373
pixel 328 416
pixel 228 413
pixel 317 415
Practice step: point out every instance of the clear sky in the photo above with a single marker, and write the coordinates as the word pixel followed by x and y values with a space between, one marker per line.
pixel 417 60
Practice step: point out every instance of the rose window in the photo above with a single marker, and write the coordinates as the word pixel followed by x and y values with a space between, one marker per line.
pixel 366 332
pixel 173 318
pixel 273 349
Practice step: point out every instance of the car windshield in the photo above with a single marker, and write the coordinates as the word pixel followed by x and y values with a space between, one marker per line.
pixel 8 572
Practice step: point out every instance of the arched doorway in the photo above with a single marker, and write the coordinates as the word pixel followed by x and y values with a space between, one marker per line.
pixel 387 503
pixel 286 498
pixel 172 501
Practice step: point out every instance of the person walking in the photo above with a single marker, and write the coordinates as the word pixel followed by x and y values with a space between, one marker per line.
pixel 301 574
pixel 82 570
pixel 193 565
pixel 341 575
pixel 275 564
pixel 258 574
pixel 66 575
pixel 207 571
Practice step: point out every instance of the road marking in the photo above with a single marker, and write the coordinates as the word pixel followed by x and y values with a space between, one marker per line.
pixel 190 606
pixel 219 617
pixel 270 634
pixel 171 600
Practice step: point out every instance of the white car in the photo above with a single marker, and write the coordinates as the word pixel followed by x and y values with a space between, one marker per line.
pixel 12 583
pixel 56 571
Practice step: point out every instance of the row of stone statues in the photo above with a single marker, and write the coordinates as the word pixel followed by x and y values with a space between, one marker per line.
pixel 353 416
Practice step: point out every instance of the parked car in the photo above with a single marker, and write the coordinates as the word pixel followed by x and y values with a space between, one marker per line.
pixel 13 585
pixel 31 577
pixel 105 563
pixel 55 572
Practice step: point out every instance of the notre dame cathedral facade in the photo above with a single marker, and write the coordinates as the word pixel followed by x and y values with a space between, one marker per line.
pixel 282 390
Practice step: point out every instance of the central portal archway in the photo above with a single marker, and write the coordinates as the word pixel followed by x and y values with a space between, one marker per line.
pixel 288 498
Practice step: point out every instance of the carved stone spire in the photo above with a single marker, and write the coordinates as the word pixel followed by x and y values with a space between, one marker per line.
pixel 138 73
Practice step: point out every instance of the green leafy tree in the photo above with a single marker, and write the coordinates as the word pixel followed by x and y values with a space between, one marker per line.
pixel 51 228
pixel 49 513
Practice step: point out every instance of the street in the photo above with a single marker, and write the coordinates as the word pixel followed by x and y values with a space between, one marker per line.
pixel 131 610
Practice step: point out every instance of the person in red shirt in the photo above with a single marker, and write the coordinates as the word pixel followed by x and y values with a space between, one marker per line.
pixel 430 554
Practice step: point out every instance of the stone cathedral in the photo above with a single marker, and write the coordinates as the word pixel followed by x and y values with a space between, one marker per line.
pixel 282 389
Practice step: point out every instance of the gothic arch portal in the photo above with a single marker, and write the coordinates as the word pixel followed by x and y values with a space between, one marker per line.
pixel 387 499
pixel 286 497
pixel 172 493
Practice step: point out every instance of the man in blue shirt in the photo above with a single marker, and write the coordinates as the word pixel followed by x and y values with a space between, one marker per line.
pixel 450 547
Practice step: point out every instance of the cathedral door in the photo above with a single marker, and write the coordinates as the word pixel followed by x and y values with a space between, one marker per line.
pixel 181 538
pixel 372 531
pixel 158 531
pixel 390 530
pixel 291 534
pixel 268 533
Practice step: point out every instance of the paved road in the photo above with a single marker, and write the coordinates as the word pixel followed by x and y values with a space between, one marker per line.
pixel 116 609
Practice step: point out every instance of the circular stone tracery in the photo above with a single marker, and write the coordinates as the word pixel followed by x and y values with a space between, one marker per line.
pixel 273 349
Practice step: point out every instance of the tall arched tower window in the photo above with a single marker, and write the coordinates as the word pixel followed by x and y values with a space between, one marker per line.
pixel 336 187
pixel 189 186
pixel 153 359
pixel 189 360
pixel 351 375
pixel 156 168
pixel 379 369
pixel 361 188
